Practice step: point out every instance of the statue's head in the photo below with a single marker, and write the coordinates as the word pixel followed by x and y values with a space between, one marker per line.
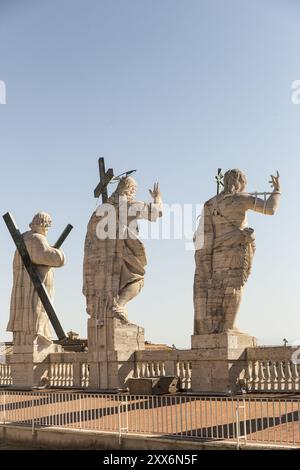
pixel 235 181
pixel 41 223
pixel 127 187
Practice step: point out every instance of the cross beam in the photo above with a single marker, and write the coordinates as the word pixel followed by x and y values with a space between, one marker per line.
pixel 33 272
pixel 105 178
pixel 219 180
pixel 63 236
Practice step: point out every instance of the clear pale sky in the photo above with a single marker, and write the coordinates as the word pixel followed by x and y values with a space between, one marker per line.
pixel 175 89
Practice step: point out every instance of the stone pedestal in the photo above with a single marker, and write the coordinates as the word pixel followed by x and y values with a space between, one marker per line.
pixel 30 363
pixel 218 360
pixel 111 352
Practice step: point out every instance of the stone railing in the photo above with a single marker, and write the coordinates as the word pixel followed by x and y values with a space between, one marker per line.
pixel 61 374
pixel 84 374
pixel 72 370
pixel 64 370
pixel 271 369
pixel 271 376
pixel 149 369
pixel 5 367
pixel 184 372
pixel 161 363
pixel 5 375
pixel 68 370
pixel 266 369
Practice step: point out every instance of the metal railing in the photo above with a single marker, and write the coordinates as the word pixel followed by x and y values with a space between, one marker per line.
pixel 242 420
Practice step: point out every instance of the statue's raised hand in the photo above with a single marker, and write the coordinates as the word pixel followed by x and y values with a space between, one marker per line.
pixel 155 193
pixel 275 182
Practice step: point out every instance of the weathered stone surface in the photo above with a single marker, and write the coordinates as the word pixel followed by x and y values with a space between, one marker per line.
pixel 230 340
pixel 274 353
pixel 114 269
pixel 225 246
pixel 28 318
pixel 111 353
pixel 29 322
pixel 114 256
pixel 218 360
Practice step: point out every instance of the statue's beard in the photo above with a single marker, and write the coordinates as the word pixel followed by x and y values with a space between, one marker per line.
pixel 130 197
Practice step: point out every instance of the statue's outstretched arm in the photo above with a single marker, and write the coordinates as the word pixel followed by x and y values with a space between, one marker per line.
pixel 268 205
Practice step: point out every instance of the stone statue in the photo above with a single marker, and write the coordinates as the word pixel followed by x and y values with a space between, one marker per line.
pixel 28 319
pixel 225 246
pixel 114 261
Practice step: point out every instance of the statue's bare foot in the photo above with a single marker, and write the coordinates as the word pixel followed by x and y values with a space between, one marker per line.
pixel 121 317
pixel 120 312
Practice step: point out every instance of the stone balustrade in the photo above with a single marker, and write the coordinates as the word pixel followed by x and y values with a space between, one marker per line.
pixel 5 375
pixel 268 369
pixel 61 375
pixel 68 370
pixel 84 375
pixel 271 376
pixel 271 369
pixel 165 362
pixel 184 372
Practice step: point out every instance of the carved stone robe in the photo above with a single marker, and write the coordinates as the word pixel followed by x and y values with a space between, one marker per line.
pixel 113 263
pixel 27 314
pixel 225 247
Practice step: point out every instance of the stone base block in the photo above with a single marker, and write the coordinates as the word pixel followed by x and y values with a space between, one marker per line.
pixel 232 340
pixel 218 360
pixel 27 374
pixel 37 352
pixel 114 336
pixel 30 363
pixel 111 352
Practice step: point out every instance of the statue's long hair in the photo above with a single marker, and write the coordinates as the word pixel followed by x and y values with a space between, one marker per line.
pixel 234 181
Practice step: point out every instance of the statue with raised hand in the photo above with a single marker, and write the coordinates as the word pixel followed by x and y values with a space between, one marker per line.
pixel 114 256
pixel 225 246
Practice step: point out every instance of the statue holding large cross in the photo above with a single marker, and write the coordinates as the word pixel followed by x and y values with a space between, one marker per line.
pixel 114 263
pixel 32 311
